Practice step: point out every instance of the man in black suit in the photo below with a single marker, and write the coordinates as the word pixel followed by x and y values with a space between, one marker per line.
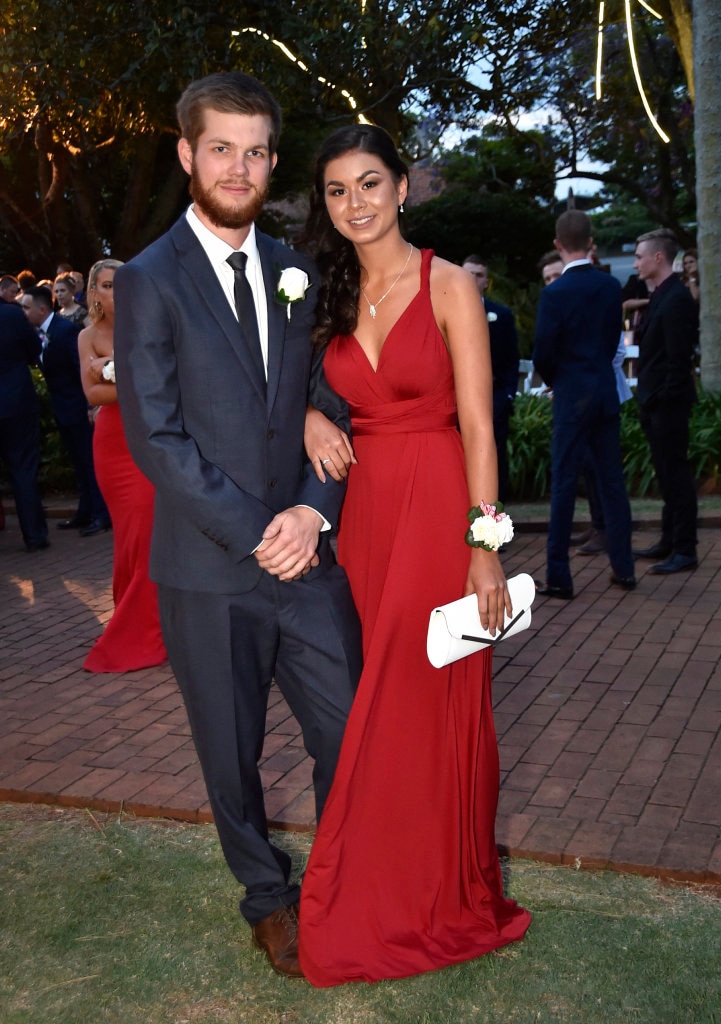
pixel 213 362
pixel 667 337
pixel 60 364
pixel 20 415
pixel 504 364
pixel 577 332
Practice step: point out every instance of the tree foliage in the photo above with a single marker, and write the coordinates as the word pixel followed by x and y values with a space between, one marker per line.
pixel 87 132
pixel 87 127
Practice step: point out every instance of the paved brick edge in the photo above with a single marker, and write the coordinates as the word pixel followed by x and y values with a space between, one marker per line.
pixel 131 807
pixel 565 858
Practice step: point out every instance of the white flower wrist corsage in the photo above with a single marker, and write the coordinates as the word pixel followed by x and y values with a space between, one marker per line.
pixel 490 527
pixel 108 371
pixel 293 283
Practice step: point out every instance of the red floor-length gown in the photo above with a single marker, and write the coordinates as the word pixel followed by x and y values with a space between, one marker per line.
pixel 404 873
pixel 132 638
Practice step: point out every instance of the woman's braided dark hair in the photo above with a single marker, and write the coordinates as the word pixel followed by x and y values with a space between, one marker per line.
pixel 337 309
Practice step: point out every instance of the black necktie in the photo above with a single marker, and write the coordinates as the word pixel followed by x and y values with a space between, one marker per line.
pixel 245 308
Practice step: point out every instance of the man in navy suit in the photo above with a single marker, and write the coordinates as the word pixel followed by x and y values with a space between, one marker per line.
pixel 20 415
pixel 60 364
pixel 504 364
pixel 667 337
pixel 577 332
pixel 213 367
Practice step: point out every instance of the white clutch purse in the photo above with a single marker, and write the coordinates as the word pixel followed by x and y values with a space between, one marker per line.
pixel 454 630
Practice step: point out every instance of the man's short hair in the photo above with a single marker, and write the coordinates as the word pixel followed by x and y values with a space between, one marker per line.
pixel 41 295
pixel 9 283
pixel 552 256
pixel 661 240
pixel 229 92
pixel 475 258
pixel 573 230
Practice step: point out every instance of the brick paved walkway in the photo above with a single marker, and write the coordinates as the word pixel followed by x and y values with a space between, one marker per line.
pixel 608 712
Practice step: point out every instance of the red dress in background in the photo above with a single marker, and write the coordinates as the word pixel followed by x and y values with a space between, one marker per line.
pixel 132 638
pixel 404 874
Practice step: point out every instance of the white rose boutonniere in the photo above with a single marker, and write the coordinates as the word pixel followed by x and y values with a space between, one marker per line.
pixel 293 283
pixel 108 373
pixel 491 317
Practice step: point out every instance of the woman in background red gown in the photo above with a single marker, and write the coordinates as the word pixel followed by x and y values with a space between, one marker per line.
pixel 404 873
pixel 132 638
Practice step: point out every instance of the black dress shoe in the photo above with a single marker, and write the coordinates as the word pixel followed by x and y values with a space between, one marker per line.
pixel 595 545
pixel 38 545
pixel 659 550
pixel 676 563
pixel 96 526
pixel 76 523
pixel 626 582
pixel 565 593
pixel 581 538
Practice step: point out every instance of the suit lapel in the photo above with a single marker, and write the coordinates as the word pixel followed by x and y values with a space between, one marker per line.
pixel 203 280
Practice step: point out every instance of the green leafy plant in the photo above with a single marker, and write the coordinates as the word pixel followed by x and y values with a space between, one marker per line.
pixel 529 447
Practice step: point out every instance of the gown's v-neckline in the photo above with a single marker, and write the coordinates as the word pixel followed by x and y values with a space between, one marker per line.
pixel 374 369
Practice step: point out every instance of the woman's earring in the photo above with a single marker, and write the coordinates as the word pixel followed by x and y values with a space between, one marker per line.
pixel 401 208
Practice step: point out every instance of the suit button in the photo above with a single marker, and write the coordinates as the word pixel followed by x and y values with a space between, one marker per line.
pixel 273 482
pixel 270 435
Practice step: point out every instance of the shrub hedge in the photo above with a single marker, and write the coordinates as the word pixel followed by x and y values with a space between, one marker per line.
pixel 529 447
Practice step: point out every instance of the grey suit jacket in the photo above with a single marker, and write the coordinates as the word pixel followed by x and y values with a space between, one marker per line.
pixel 223 455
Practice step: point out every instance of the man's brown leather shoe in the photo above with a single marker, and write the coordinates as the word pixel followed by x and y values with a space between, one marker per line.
pixel 277 934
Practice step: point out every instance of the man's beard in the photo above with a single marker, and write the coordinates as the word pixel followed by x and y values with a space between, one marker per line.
pixel 219 212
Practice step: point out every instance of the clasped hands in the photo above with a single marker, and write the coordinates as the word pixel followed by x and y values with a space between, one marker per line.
pixel 288 548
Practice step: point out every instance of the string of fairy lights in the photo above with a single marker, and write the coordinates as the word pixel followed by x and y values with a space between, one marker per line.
pixel 634 60
pixel 350 100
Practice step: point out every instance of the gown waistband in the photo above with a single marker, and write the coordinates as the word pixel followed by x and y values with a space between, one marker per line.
pixel 415 421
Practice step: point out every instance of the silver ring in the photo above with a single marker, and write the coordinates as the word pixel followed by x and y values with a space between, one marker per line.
pixel 323 461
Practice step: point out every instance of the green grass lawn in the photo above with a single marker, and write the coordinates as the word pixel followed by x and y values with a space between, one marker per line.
pixel 136 922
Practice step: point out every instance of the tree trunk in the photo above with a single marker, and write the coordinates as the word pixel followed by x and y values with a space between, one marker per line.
pixel 707 46
pixel 678 17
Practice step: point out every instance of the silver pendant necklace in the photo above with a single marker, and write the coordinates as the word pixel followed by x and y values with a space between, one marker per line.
pixel 373 306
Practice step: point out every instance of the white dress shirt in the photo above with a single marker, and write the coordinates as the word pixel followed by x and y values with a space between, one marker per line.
pixel 218 252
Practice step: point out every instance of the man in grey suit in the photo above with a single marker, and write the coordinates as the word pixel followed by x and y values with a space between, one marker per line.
pixel 215 370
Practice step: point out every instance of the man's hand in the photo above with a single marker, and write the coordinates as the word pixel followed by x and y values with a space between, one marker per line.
pixel 288 548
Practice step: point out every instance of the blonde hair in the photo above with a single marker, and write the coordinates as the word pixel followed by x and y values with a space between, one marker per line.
pixel 95 310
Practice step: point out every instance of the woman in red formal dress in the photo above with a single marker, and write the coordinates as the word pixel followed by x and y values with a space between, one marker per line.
pixel 132 639
pixel 404 874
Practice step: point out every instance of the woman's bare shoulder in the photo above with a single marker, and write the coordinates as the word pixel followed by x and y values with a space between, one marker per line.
pixel 449 276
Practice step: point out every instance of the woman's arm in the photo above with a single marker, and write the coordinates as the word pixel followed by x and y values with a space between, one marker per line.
pixel 97 390
pixel 460 315
pixel 327 446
